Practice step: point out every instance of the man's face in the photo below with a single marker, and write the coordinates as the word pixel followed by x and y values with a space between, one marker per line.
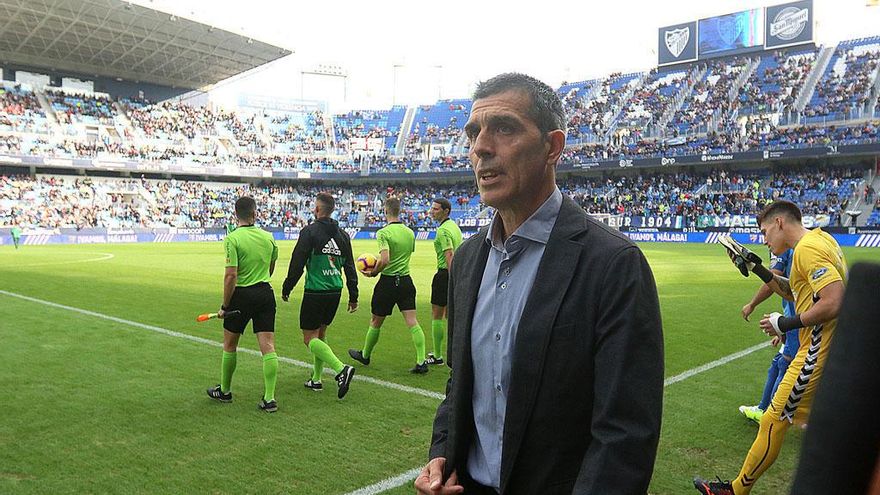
pixel 508 154
pixel 437 212
pixel 772 231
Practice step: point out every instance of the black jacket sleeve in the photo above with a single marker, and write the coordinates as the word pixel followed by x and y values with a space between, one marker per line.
pixel 628 381
pixel 298 259
pixel 351 279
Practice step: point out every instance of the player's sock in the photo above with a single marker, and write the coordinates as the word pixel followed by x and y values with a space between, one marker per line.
pixel 371 341
pixel 270 375
pixel 323 351
pixel 418 338
pixel 439 334
pixel 317 368
pixel 763 453
pixel 227 368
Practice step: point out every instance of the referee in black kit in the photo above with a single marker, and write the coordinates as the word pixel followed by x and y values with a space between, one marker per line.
pixel 250 261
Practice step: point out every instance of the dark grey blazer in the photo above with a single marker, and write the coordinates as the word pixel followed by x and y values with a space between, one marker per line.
pixel 584 407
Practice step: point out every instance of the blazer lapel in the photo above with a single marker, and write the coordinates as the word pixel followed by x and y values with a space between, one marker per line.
pixel 533 335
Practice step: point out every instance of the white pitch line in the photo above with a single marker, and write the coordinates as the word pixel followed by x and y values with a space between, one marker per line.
pixel 103 257
pixel 388 484
pixel 714 364
pixel 410 475
pixel 172 333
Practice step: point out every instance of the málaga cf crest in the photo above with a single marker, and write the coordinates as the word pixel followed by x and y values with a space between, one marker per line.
pixel 677 40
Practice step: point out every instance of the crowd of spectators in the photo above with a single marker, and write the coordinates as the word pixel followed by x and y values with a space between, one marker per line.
pixel 71 108
pixel 300 141
pixel 51 202
pixel 846 93
pixel 775 88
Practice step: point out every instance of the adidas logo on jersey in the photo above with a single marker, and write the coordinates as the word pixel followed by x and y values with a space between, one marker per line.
pixel 331 248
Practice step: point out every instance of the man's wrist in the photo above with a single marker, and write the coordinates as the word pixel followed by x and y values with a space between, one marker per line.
pixel 787 323
pixel 763 273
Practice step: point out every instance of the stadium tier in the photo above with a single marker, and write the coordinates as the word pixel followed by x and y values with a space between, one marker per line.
pixel 694 200
pixel 777 100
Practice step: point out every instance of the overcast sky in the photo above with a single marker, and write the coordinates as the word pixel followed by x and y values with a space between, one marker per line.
pixel 441 49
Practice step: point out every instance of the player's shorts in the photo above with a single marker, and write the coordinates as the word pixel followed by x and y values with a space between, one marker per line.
pixel 391 290
pixel 794 397
pixel 318 308
pixel 256 302
pixel 440 288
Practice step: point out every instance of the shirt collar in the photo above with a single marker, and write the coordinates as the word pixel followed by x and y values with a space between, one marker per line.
pixel 537 227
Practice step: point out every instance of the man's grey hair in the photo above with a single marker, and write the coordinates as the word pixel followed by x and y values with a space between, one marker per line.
pixel 546 110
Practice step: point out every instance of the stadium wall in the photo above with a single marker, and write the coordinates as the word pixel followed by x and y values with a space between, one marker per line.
pixel 857 236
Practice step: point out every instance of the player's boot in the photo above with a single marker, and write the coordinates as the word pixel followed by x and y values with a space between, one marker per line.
pixel 433 360
pixel 343 379
pixel 358 356
pixel 218 395
pixel 752 413
pixel 313 385
pixel 420 369
pixel 270 406
pixel 713 487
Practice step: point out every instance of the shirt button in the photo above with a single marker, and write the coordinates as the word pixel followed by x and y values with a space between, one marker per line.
pixel 497 337
pixel 507 271
pixel 504 286
pixel 498 387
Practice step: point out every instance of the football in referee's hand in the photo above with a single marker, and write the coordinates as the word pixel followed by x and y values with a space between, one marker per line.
pixel 365 262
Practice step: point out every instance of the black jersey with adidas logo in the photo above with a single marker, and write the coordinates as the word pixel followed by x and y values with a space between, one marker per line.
pixel 324 251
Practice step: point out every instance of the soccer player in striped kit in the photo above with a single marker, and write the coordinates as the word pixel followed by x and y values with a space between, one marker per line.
pixel 818 275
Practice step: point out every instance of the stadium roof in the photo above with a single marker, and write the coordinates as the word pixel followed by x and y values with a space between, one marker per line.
pixel 113 38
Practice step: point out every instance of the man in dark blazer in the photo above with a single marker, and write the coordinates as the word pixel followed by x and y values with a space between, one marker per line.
pixel 555 340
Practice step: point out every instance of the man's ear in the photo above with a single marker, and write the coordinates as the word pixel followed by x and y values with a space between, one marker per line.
pixel 556 139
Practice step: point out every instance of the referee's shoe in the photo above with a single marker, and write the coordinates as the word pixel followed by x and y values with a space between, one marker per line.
pixel 218 395
pixel 343 379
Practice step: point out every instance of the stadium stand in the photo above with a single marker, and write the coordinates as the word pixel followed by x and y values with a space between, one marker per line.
pixel 81 202
pixel 844 89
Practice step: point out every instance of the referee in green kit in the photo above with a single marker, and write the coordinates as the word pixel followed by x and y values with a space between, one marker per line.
pixel 250 261
pixel 395 287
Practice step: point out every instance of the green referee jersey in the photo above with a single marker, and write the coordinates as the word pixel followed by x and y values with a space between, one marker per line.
pixel 252 250
pixel 400 242
pixel 448 236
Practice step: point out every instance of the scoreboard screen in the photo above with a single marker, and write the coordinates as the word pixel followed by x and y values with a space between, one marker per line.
pixel 732 33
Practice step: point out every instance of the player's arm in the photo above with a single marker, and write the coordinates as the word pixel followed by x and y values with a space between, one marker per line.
pixel 381 263
pixel 298 260
pixel 230 278
pixel 764 292
pixel 781 286
pixel 274 258
pixel 449 255
pixel 826 308
pixel 351 279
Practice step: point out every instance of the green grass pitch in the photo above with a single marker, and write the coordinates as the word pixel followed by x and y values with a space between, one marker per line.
pixel 91 404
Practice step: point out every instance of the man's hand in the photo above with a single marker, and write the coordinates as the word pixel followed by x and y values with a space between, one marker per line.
pixel 221 314
pixel 370 273
pixel 770 325
pixel 430 480
pixel 352 307
pixel 747 310
pixel 741 257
